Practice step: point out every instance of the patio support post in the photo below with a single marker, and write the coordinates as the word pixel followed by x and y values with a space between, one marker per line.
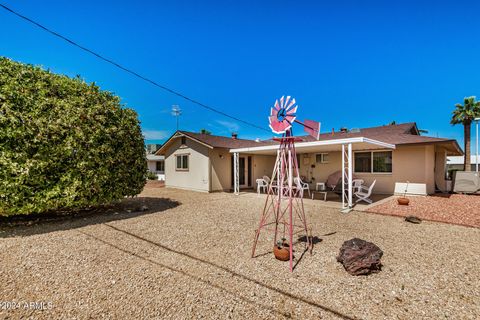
pixel 347 176
pixel 350 176
pixel 343 176
pixel 236 174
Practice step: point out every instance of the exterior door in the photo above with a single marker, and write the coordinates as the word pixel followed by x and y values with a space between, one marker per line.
pixel 244 171
pixel 241 173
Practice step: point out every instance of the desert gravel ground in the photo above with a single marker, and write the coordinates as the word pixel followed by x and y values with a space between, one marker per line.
pixel 188 257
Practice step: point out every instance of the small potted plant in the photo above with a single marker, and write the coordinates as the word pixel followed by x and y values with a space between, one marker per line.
pixel 404 201
pixel 281 250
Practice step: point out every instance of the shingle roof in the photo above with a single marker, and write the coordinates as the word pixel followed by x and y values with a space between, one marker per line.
pixel 398 134
pixel 226 142
pixel 394 134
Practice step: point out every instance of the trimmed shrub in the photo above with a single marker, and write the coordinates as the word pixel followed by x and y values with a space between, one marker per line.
pixel 151 176
pixel 64 144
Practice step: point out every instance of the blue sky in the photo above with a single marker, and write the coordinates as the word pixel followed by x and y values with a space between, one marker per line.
pixel 349 63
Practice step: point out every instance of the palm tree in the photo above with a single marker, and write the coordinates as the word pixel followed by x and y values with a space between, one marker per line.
pixel 465 115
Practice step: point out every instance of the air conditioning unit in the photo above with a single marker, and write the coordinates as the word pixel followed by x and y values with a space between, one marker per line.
pixel 466 182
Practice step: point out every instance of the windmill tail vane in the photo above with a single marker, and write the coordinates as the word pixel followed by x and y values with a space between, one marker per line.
pixel 312 128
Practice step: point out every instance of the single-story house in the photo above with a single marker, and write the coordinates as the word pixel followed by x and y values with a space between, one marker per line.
pixel 155 164
pixel 387 154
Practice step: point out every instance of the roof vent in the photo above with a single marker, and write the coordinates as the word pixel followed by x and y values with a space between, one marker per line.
pixel 234 136
pixel 355 130
pixel 343 130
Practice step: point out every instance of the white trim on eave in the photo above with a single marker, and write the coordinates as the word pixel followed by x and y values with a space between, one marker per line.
pixel 319 143
pixel 178 134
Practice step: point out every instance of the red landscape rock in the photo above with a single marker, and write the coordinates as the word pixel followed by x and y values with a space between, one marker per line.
pixel 360 257
pixel 458 209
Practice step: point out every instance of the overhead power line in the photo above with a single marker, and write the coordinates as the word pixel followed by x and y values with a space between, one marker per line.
pixel 136 74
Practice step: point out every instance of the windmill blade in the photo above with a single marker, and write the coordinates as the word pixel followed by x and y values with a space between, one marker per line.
pixel 277 106
pixel 291 104
pixel 273 112
pixel 292 111
pixel 290 119
pixel 281 102
pixel 278 127
pixel 312 128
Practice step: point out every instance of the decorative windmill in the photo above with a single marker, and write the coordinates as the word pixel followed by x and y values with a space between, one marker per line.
pixel 283 208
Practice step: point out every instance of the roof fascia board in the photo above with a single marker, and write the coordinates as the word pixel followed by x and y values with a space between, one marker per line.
pixel 318 143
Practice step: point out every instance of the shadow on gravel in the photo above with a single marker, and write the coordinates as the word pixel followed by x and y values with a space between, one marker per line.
pixel 43 223
pixel 219 267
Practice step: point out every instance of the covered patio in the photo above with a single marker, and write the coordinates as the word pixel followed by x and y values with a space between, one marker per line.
pixel 317 160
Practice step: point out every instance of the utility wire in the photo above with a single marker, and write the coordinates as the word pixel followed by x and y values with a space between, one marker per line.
pixel 131 71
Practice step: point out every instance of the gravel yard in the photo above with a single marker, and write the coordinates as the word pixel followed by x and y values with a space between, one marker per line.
pixel 188 257
pixel 458 209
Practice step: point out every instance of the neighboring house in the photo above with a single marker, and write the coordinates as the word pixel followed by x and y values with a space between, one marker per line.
pixel 388 154
pixel 156 164
pixel 456 163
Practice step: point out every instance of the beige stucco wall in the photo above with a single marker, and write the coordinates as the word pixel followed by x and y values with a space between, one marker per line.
pixel 410 163
pixel 440 169
pixel 262 166
pixel 220 173
pixel 198 176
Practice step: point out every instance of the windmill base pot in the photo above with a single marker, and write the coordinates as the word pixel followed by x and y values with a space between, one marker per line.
pixel 403 201
pixel 281 253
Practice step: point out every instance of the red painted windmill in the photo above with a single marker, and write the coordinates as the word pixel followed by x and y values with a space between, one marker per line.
pixel 283 208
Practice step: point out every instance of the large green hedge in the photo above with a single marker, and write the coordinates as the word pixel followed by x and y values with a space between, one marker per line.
pixel 64 144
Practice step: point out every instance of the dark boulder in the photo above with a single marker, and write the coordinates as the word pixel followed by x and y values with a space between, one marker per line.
pixel 360 257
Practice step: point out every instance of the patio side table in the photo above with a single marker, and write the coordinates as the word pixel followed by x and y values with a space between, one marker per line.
pixel 320 186
pixel 324 193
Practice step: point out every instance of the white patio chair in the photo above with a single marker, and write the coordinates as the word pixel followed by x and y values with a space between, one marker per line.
pixel 357 185
pixel 267 179
pixel 364 193
pixel 261 184
pixel 302 185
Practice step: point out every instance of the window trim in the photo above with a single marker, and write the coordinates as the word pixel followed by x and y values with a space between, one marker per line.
pixel 371 162
pixel 321 157
pixel 188 162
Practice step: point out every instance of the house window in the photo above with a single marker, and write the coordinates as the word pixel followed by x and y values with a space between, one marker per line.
pixel 373 162
pixel 184 140
pixel 363 162
pixel 182 162
pixel 321 158
pixel 382 161
pixel 160 166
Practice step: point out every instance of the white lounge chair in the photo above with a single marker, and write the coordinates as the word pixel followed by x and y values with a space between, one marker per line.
pixel 364 193
pixel 357 185
pixel 302 185
pixel 261 185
